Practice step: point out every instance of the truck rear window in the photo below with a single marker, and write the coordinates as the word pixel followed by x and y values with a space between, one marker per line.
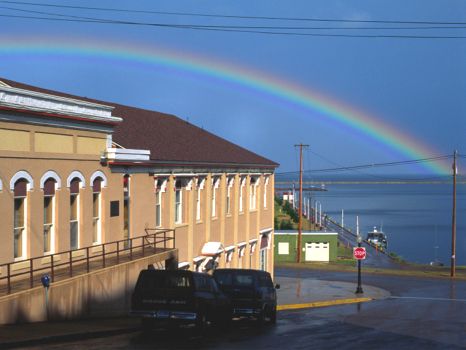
pixel 236 279
pixel 153 280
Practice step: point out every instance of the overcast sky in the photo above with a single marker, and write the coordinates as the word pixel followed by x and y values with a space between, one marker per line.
pixel 414 85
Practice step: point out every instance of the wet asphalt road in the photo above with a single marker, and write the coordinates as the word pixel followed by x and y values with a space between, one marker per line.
pixel 421 314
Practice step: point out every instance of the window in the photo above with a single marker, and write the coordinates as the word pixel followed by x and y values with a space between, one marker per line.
pixel 49 207
pixel 126 198
pixel 96 209
pixel 266 182
pixel 199 188
pixel 252 194
pixel 160 187
pixel 178 203
pixel 241 195
pixel 74 214
pixel 20 196
pixel 263 253
pixel 158 208
pixel 229 186
pixel 228 199
pixel 214 199
pixel 283 248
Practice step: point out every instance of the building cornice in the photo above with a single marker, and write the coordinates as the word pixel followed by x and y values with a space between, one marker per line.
pixel 27 101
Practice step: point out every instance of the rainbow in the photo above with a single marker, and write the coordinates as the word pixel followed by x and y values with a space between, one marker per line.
pixel 285 90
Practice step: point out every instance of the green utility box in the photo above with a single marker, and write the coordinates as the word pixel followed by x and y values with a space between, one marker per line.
pixel 316 246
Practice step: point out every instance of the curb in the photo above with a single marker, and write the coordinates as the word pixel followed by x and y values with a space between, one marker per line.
pixel 323 303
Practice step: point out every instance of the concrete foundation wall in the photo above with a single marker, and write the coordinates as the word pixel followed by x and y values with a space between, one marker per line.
pixel 106 292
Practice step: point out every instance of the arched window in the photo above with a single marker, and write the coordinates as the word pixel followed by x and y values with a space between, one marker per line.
pixel 96 210
pixel 20 189
pixel 75 185
pixel 49 215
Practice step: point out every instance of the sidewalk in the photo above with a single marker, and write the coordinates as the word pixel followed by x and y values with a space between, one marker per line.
pixel 293 293
pixel 298 293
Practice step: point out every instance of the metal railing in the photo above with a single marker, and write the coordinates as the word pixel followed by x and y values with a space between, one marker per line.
pixel 82 260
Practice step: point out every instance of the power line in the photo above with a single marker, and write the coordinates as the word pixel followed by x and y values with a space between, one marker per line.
pixel 196 14
pixel 372 165
pixel 218 29
pixel 265 30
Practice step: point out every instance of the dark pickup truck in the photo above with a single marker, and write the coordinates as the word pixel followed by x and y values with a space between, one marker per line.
pixel 164 297
pixel 252 293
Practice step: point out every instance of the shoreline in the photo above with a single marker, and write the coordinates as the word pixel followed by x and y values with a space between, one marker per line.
pixel 369 182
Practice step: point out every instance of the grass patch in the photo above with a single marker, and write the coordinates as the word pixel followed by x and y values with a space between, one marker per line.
pixel 409 270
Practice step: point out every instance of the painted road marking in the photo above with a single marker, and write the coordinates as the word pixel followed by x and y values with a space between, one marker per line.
pixel 428 298
pixel 323 303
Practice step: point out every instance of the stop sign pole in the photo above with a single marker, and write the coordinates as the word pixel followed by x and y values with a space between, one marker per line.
pixel 359 253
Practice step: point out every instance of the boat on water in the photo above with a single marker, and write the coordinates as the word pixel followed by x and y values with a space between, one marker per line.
pixel 377 239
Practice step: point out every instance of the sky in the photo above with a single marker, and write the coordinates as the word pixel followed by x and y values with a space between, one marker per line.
pixel 368 95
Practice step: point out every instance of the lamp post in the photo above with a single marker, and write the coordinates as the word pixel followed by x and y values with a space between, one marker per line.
pixel 359 287
pixel 320 214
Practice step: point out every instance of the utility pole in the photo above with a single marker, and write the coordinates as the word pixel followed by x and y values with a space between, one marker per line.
pixel 453 220
pixel 300 208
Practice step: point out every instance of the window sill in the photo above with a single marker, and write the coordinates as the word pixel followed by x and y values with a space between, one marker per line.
pixel 181 225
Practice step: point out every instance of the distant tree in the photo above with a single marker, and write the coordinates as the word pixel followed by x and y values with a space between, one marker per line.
pixel 288 209
pixel 286 225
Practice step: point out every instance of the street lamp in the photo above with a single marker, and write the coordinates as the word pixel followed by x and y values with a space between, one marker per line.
pixel 359 288
pixel 320 214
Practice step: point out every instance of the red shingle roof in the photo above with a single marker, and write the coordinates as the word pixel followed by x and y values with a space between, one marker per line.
pixel 169 138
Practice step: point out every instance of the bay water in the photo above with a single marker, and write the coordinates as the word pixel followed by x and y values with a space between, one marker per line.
pixel 416 217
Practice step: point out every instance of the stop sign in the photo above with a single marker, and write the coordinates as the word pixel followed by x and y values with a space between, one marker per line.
pixel 359 253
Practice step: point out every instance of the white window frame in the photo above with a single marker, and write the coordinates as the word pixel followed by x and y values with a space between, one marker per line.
pixel 214 201
pixel 178 205
pixel 266 183
pixel 228 199
pixel 158 208
pixel 22 175
pixel 23 228
pixel 97 220
pixel 215 185
pixel 51 227
pixel 241 197
pixel 252 195
pixel 77 221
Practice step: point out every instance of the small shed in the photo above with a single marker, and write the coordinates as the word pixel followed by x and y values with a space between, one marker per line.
pixel 315 245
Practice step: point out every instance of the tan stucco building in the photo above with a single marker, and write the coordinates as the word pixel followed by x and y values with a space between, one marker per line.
pixel 76 173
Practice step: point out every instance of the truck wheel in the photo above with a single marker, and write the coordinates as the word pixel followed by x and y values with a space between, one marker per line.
pixel 273 316
pixel 201 322
pixel 147 324
pixel 261 317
